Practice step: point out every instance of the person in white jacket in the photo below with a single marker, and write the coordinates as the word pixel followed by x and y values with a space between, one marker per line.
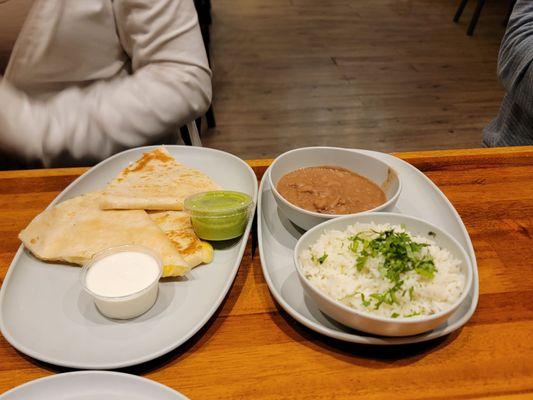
pixel 88 78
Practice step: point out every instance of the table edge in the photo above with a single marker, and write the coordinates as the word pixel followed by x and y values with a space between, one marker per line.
pixel 262 163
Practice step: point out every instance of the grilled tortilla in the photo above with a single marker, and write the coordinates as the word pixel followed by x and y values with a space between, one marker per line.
pixel 74 230
pixel 155 182
pixel 178 228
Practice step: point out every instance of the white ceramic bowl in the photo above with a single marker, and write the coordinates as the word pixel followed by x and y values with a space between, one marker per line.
pixel 368 322
pixel 370 167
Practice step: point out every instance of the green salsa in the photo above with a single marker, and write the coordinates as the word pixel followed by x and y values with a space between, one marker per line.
pixel 219 215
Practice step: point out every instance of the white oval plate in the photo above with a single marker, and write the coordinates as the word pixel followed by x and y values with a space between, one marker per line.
pixel 277 238
pixel 45 314
pixel 92 385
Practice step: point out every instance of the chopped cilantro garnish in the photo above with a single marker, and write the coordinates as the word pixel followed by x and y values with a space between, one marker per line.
pixel 426 269
pixel 388 296
pixel 360 263
pixel 411 293
pixel 394 315
pixel 398 254
pixel 319 260
pixel 412 315
pixel 348 296
pixel 354 246
pixel 364 302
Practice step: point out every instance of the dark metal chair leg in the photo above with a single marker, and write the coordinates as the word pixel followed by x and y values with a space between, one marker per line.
pixel 509 12
pixel 210 117
pixel 203 8
pixel 475 17
pixel 199 125
pixel 185 135
pixel 460 10
pixel 208 12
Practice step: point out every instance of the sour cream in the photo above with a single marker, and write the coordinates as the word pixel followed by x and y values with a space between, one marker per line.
pixel 123 281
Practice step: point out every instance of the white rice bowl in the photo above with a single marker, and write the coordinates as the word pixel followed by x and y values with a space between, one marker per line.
pixel 338 278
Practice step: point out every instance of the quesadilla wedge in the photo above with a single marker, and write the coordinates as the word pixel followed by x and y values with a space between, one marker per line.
pixel 76 229
pixel 178 228
pixel 155 182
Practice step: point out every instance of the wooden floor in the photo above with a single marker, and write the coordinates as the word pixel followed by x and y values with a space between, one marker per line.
pixel 12 16
pixel 388 75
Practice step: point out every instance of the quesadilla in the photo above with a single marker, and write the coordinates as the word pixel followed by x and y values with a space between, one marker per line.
pixel 76 229
pixel 155 182
pixel 178 228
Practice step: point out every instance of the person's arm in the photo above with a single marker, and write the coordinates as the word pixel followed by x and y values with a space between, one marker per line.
pixel 170 85
pixel 515 68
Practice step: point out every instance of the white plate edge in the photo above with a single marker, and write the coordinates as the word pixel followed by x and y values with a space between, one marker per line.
pixel 93 372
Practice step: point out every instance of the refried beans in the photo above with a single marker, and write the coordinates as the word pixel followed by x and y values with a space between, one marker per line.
pixel 330 190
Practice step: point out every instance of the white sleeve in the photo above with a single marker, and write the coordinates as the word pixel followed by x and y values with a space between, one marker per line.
pixel 170 85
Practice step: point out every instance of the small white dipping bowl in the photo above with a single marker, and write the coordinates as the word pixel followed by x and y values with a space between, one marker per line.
pixel 367 166
pixel 130 305
pixel 368 322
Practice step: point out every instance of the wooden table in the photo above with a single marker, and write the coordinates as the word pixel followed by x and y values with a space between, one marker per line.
pixel 253 349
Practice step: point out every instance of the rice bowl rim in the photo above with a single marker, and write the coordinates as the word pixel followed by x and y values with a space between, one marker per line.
pixel 355 219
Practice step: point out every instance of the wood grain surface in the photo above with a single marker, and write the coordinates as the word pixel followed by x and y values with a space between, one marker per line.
pixel 386 75
pixel 253 349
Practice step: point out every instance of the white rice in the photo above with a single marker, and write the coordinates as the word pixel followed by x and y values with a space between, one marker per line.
pixel 338 277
